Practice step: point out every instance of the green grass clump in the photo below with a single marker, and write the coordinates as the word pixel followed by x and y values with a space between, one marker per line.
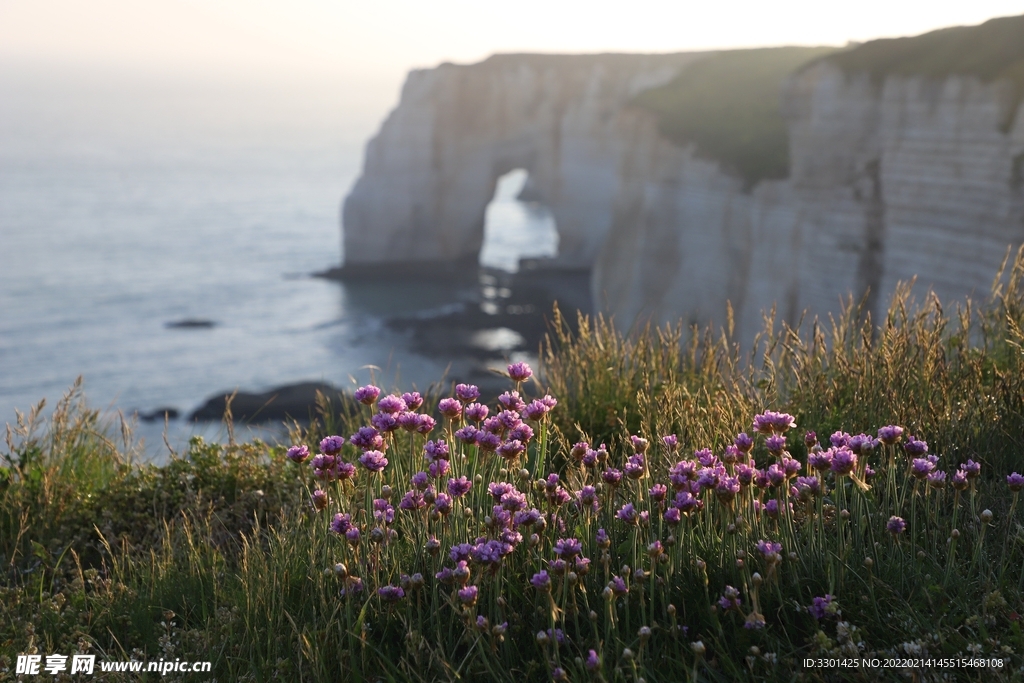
pixel 219 555
pixel 729 106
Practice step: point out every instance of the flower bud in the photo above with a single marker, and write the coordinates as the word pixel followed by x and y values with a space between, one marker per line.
pixel 671 610
pixel 593 614
pixel 385 492
pixel 986 516
pixel 524 474
pixel 341 570
pixel 479 479
pixel 845 514
pixel 468 512
pixel 627 654
pixel 741 553
pixel 625 570
pixel 793 557
pixel 921 555
pixel 534 540
pixel 954 534
pixel 868 562
pixel 756 579
pixel 698 648
pixel 377 535
pixel 644 633
pixel 701 565
pixel 542 638
pixel 670 541
pixel 739 564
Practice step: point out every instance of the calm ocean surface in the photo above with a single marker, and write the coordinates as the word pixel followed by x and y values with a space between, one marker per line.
pixel 122 210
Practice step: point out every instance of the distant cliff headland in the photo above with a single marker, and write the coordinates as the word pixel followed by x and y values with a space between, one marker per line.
pixel 786 177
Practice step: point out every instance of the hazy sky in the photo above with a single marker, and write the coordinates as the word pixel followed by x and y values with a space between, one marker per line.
pixel 381 39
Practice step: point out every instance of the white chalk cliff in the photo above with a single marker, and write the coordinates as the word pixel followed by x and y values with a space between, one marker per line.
pixel 889 179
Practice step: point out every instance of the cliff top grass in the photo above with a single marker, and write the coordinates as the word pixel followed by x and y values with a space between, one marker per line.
pixel 729 106
pixel 990 51
pixel 219 555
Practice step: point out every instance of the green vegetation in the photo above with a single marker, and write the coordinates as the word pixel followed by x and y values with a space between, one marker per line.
pixel 729 106
pixel 219 556
pixel 991 51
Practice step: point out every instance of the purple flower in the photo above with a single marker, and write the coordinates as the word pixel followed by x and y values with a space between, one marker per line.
pixel 820 461
pixel 450 407
pixel 843 461
pixel 435 450
pixel 490 552
pixel 731 455
pixel 915 447
pixel 367 395
pixel 579 450
pixel 771 508
pixel 776 443
pixel 727 488
pixel 770 550
pixel 510 450
pixel 412 500
pixel 536 410
pixel 810 439
pixel 671 442
pixel 298 454
pixel 477 412
pixel 392 404
pixel 521 432
pixel 682 473
pixel 602 539
pixel 890 434
pixel 611 476
pixel 420 480
pixel 384 422
pixel 425 424
pixel 869 472
pixel 468 595
pixel 487 442
pixel 461 552
pixel 770 422
pixel 513 501
pixel 590 458
pixel 567 548
pixel 730 599
pixel 686 502
pixel 745 474
pixel 445 576
pixel 634 467
pixel 332 445
pixel 937 479
pixel 707 477
pixel 438 468
pixel 672 516
pixel 509 419
pixel 374 461
pixel 776 475
pixel 922 467
pixel 971 469
pixel 705 457
pixel 548 400
pixel 959 480
pixel 459 487
pixel 754 621
pixel 862 444
pixel 1015 481
pixel 526 517
pixel 443 503
pixel 511 400
pixel 807 487
pixel 412 399
pixel 839 439
pixel 467 392
pixel 319 499
pixel 896 525
pixel 791 466
pixel 466 435
pixel 341 523
pixel 820 606
pixel 383 512
pixel 353 536
pixel 744 442
pixel 367 438
pixel 658 492
pixel 558 497
pixel 593 662
pixel 627 513
pixel 618 586
pixel 519 372
pixel 639 443
pixel 497 489
pixel 391 593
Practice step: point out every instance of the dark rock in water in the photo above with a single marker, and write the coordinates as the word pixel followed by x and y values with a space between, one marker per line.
pixel 294 401
pixel 159 414
pixel 190 324
pixel 457 271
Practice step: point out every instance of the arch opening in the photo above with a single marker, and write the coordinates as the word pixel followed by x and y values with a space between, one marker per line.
pixel 517 225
